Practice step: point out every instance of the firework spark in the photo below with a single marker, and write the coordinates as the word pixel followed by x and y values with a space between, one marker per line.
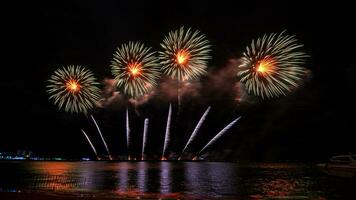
pixel 73 88
pixel 196 129
pixel 217 136
pixel 101 136
pixel 185 54
pixel 136 69
pixel 144 140
pixel 91 144
pixel 168 132
pixel 272 65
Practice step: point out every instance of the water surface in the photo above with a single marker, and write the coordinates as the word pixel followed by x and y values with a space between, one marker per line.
pixel 198 180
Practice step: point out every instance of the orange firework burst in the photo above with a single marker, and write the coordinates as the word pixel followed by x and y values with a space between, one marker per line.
pixel 134 69
pixel 73 88
pixel 264 67
pixel 182 57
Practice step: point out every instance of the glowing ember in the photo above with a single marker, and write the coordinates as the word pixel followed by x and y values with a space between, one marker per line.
pixel 182 57
pixel 135 69
pixel 264 66
pixel 73 86
pixel 261 68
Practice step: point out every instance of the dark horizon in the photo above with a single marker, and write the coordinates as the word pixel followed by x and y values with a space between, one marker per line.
pixel 312 123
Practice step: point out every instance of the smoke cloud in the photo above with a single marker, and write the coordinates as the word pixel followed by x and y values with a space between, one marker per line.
pixel 220 83
pixel 111 98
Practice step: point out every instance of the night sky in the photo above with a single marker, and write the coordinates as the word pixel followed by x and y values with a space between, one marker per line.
pixel 311 123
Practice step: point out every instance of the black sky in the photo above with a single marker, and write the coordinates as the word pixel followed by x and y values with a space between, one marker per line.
pixel 312 123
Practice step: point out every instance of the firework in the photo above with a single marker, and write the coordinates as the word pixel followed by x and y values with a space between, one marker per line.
pixel 136 69
pixel 194 134
pixel 217 136
pixel 73 88
pixel 185 54
pixel 102 138
pixel 168 132
pixel 272 65
pixel 144 140
pixel 91 144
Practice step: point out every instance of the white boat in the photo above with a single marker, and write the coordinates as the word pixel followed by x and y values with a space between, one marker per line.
pixel 341 166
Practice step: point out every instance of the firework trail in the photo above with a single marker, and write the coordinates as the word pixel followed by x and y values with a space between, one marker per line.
pixel 101 135
pixel 91 144
pixel 167 135
pixel 128 132
pixel 272 65
pixel 73 88
pixel 136 69
pixel 185 56
pixel 144 140
pixel 217 136
pixel 194 134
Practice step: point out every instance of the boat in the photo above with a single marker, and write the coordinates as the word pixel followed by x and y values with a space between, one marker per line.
pixel 340 166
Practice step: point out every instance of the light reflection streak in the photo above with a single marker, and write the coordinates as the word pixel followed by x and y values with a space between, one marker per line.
pixel 165 177
pixel 123 177
pixel 142 177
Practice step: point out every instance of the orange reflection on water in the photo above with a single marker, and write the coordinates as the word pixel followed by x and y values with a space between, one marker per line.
pixel 55 176
pixel 136 194
pixel 284 166
pixel 279 187
pixel 55 168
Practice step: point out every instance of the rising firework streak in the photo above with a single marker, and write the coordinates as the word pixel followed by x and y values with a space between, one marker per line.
pixel 91 144
pixel 102 138
pixel 144 140
pixel 167 136
pixel 217 136
pixel 194 134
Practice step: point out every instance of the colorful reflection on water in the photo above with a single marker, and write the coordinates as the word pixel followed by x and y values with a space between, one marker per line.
pixel 173 180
